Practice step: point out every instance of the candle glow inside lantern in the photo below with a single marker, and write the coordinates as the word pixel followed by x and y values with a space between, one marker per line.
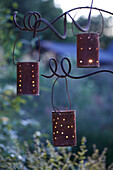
pixel 28 78
pixel 88 50
pixel 64 128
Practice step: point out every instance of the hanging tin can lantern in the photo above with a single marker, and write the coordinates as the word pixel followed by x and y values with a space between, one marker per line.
pixel 88 45
pixel 27 75
pixel 64 123
pixel 88 50
pixel 64 128
pixel 28 78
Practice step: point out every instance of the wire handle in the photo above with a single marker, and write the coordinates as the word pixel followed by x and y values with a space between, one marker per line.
pixel 15 47
pixel 52 94
pixel 102 29
pixel 88 23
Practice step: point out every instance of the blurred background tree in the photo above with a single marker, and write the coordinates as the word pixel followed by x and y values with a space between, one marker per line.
pixel 21 116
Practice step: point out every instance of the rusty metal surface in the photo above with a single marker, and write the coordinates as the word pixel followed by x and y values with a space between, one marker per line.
pixel 28 78
pixel 88 50
pixel 64 128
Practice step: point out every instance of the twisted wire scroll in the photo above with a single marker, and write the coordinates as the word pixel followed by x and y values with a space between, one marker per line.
pixel 38 20
pixel 36 29
pixel 67 73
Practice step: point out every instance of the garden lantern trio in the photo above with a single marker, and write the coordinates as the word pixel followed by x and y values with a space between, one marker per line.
pixel 64 121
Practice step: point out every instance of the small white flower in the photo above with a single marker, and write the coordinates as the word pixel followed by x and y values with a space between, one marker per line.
pixel 20 157
pixel 12 155
pixel 38 133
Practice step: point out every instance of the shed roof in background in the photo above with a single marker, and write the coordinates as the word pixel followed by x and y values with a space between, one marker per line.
pixel 69 49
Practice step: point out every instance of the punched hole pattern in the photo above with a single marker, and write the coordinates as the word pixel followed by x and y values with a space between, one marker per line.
pixel 33 82
pixel 28 78
pixel 63 129
pixel 20 76
pixel 90 60
pixel 85 50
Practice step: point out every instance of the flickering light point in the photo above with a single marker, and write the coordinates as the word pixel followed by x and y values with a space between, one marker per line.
pixel 90 61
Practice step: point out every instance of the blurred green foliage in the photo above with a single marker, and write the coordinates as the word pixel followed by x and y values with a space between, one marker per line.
pixel 39 157
pixel 7 35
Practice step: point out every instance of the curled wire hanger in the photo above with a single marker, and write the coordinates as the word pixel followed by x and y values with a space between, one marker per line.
pixel 54 71
pixel 34 28
pixel 52 28
pixel 65 30
pixel 38 21
pixel 66 73
pixel 30 13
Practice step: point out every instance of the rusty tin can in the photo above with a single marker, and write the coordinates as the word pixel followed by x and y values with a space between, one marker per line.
pixel 88 50
pixel 64 128
pixel 28 78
